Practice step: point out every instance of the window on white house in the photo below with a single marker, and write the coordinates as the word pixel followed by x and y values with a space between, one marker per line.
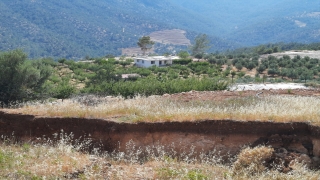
pixel 142 61
pixel 138 60
pixel 153 62
pixel 160 62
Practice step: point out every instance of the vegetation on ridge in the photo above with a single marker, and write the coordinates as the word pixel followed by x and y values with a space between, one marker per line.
pixel 24 79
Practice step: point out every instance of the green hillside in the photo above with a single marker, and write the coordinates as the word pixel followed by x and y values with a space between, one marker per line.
pixel 75 29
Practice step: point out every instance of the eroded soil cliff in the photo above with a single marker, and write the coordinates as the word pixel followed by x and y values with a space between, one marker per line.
pixel 223 136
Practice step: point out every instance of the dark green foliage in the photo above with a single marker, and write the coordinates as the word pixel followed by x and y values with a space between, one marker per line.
pixel 64 90
pixel 250 65
pixel 154 86
pixel 212 60
pixel 22 79
pixel 182 61
pixel 273 68
pixel 144 72
pixel 104 73
pixel 62 60
pixel 233 74
pixel 124 63
pixel 199 67
pixel 199 55
pixel 261 68
pixel 292 73
pixel 183 54
pixel 239 66
pixel 306 75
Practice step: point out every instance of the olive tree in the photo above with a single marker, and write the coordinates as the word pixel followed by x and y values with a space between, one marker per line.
pixel 21 79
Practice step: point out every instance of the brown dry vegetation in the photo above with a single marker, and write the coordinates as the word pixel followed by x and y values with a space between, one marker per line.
pixel 61 160
pixel 191 106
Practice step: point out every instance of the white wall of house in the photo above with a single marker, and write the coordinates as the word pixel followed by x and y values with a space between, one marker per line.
pixel 152 61
pixel 143 63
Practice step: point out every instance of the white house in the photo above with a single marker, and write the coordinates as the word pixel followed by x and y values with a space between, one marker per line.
pixel 148 61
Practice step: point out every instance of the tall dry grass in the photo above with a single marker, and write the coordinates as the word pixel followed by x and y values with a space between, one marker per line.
pixel 65 160
pixel 159 109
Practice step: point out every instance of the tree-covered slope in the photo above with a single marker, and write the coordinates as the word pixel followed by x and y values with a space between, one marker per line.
pixel 77 28
pixel 252 22
pixel 74 29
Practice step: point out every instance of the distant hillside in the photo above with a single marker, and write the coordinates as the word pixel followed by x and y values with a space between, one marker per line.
pixel 79 28
pixel 252 22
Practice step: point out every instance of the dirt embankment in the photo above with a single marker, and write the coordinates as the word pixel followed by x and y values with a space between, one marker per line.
pixel 225 136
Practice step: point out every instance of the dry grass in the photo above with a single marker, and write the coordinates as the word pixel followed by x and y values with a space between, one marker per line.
pixel 48 159
pixel 252 160
pixel 62 160
pixel 158 109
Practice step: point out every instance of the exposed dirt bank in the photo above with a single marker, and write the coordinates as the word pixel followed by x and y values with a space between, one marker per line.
pixel 225 136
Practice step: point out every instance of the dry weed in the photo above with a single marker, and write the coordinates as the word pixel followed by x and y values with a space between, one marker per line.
pixel 63 160
pixel 252 160
pixel 158 109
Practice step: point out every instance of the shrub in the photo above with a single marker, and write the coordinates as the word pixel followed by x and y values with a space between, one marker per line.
pixel 64 91
pixel 21 79
pixel 182 61
pixel 196 175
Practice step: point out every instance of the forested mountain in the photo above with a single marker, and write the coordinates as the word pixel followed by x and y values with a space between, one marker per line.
pixel 79 28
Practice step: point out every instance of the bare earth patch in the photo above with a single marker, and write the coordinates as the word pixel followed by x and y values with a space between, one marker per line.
pixel 174 36
pixel 292 54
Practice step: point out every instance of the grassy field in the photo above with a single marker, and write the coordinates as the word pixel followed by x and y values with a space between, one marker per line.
pixel 159 109
pixel 59 159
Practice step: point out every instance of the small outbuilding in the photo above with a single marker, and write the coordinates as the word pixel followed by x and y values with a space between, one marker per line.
pixel 160 61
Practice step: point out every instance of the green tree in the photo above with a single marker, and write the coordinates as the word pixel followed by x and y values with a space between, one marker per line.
pixel 261 68
pixel 21 79
pixel 273 69
pixel 306 75
pixel 292 74
pixel 233 74
pixel 283 72
pixel 62 60
pixel 201 44
pixel 239 66
pixel 64 90
pixel 183 54
pixel 145 44
pixel 250 66
pixel 275 49
pixel 124 63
